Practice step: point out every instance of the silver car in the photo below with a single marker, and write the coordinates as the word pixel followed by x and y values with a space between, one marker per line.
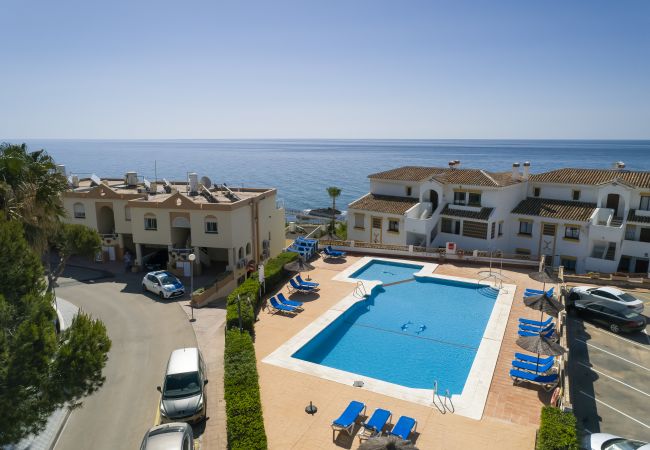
pixel 605 441
pixel 606 294
pixel 183 396
pixel 170 436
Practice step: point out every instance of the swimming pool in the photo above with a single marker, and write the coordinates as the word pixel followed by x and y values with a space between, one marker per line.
pixel 386 271
pixel 410 333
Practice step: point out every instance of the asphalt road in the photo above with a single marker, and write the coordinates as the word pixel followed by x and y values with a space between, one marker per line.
pixel 144 331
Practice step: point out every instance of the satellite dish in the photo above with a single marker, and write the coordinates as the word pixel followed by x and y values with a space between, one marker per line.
pixel 206 182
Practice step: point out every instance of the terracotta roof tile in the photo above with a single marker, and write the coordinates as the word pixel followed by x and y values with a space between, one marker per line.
pixel 384 204
pixel 593 177
pixel 407 173
pixel 474 177
pixel 555 209
pixel 483 214
pixel 632 217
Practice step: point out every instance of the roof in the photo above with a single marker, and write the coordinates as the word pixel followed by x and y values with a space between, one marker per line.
pixel 555 209
pixel 384 203
pixel 483 214
pixel 183 359
pixel 474 177
pixel 593 177
pixel 632 217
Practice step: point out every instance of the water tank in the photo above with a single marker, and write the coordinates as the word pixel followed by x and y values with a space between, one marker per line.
pixel 292 227
pixel 131 178
pixel 194 183
pixel 60 168
pixel 75 181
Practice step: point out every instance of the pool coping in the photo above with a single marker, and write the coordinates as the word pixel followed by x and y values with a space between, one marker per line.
pixel 470 403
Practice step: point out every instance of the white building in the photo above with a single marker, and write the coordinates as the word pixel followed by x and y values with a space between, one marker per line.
pixel 583 219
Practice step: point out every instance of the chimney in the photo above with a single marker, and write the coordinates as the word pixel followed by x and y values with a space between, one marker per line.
pixel 131 179
pixel 515 171
pixel 60 168
pixel 194 183
pixel 526 171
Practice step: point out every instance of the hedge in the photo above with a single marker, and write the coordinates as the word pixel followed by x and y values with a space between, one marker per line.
pixel 245 422
pixel 274 273
pixel 557 430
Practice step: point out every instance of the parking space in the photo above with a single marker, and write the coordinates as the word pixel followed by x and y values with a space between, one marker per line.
pixel 610 377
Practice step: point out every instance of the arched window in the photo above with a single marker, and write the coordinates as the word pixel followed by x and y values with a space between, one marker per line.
pixel 241 252
pixel 211 225
pixel 248 248
pixel 79 211
pixel 150 222
pixel 127 213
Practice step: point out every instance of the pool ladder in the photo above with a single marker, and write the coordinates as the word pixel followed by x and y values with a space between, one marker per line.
pixel 445 404
pixel 360 290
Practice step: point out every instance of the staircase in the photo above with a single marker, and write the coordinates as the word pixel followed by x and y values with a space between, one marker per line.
pixel 611 251
pixel 616 222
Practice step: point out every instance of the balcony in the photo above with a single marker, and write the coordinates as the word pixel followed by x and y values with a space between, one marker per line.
pixel 420 218
pixel 605 226
pixel 636 249
pixel 600 265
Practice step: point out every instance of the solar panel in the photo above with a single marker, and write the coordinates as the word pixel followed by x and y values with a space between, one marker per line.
pixel 94 180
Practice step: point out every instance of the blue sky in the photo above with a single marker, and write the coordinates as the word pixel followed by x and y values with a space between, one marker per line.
pixel 327 69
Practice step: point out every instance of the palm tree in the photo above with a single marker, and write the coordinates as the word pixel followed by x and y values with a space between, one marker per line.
pixel 333 192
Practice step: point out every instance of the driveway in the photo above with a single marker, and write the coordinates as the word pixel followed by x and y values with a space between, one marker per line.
pixel 144 331
pixel 609 375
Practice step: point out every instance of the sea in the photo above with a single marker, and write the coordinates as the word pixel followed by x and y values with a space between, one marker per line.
pixel 301 170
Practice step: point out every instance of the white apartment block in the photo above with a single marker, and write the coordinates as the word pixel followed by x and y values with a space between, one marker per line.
pixel 227 230
pixel 584 219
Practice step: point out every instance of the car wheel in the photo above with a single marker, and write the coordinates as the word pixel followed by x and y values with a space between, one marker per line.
pixel 161 295
pixel 614 328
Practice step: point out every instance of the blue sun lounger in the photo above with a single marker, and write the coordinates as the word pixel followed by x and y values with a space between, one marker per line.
pixel 375 425
pixel 403 428
pixel 548 335
pixel 280 307
pixel 306 283
pixel 536 329
pixel 284 300
pixel 535 323
pixel 329 251
pixel 345 422
pixel 532 367
pixel 530 292
pixel 548 382
pixel 298 287
pixel 533 358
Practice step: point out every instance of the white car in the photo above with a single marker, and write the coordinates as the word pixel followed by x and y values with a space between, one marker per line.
pixel 163 284
pixel 606 294
pixel 169 436
pixel 604 441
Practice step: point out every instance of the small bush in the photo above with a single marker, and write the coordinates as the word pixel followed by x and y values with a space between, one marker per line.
pixel 245 422
pixel 557 430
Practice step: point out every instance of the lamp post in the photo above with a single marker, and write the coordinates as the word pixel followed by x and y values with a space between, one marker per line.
pixel 191 258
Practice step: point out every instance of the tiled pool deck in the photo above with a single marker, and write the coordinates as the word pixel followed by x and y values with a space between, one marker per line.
pixel 510 416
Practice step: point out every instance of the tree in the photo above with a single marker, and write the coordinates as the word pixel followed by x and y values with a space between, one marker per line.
pixel 333 192
pixel 39 371
pixel 69 240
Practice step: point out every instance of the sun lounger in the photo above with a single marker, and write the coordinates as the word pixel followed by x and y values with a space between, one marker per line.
pixel 536 329
pixel 530 292
pixel 293 284
pixel 535 323
pixel 535 359
pixel 347 419
pixel 548 382
pixel 284 300
pixel 306 241
pixel 403 428
pixel 548 335
pixel 306 283
pixel 280 307
pixel 329 251
pixel 531 367
pixel 375 424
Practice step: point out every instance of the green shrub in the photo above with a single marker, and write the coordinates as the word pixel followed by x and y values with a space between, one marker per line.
pixel 245 422
pixel 557 430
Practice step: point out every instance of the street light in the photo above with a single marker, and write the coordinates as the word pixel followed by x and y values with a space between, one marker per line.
pixel 192 257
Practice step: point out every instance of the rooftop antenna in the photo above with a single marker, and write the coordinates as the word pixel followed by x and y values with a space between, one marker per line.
pixel 155 170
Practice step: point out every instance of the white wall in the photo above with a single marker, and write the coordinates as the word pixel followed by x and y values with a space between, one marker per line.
pixel 395 188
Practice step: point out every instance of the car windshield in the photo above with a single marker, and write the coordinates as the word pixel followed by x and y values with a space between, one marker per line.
pixel 168 279
pixel 627 297
pixel 182 385
pixel 622 444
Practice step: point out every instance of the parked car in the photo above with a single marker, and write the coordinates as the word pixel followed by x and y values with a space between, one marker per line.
pixel 163 284
pixel 617 318
pixel 169 436
pixel 604 441
pixel 183 391
pixel 606 294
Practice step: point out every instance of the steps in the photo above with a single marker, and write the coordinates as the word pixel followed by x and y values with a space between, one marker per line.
pixel 611 251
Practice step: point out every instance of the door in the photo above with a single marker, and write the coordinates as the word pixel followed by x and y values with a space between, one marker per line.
pixel 612 203
pixel 433 198
pixel 375 230
pixel 547 242
pixel 641 266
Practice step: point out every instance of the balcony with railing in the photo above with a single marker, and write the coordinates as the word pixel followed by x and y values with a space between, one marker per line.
pixel 605 226
pixel 420 218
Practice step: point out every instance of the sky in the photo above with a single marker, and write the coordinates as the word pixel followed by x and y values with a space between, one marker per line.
pixel 157 69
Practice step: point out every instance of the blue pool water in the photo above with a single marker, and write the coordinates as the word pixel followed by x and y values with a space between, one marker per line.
pixel 386 271
pixel 409 334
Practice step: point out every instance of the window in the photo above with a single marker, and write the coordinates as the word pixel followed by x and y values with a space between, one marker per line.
pixel 630 232
pixel 376 222
pixel 568 263
pixel 459 198
pixel 572 232
pixel 474 199
pixel 604 294
pixel 127 213
pixel 494 226
pixel 248 248
pixel 645 235
pixel 500 233
pixel 79 211
pixel 359 220
pixel 211 225
pixel 537 192
pixel 150 222
pixel 409 191
pixel 526 228
pixel 241 252
pixel 645 203
pixel 575 195
pixel 450 226
pixel 393 225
